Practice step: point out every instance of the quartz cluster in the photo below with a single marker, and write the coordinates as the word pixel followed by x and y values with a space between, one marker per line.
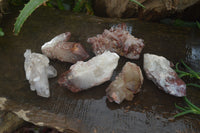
pixel 38 71
pixel 119 40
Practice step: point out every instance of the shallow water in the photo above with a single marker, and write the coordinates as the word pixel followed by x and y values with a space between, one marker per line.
pixel 90 111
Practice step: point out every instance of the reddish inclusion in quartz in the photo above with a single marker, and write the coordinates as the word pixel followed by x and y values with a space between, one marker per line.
pixel 59 48
pixel 158 69
pixel 118 40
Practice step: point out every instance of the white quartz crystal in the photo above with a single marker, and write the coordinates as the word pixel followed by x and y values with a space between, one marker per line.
pixel 38 71
pixel 158 69
pixel 84 75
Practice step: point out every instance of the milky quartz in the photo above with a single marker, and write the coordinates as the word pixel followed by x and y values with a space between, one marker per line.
pixel 38 71
pixel 59 48
pixel 158 69
pixel 126 84
pixel 84 75
pixel 117 39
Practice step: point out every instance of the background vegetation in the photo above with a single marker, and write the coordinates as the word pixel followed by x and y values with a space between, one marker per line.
pixel 75 5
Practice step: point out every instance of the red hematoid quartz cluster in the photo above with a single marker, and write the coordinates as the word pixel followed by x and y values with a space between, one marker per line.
pixel 119 40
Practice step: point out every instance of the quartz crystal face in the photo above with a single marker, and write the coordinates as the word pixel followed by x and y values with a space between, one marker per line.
pixel 38 71
pixel 158 69
pixel 126 84
pixel 59 48
pixel 84 75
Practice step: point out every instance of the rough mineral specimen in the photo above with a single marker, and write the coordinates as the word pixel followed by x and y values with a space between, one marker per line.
pixel 84 75
pixel 38 71
pixel 59 48
pixel 158 69
pixel 118 40
pixel 126 84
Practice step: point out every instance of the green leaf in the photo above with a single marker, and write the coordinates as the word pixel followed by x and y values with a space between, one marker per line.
pixel 88 6
pixel 182 75
pixel 25 13
pixel 193 73
pixel 195 85
pixel 179 71
pixel 181 108
pixel 183 113
pixel 60 5
pixel 49 4
pixel 138 3
pixel 78 5
pixel 191 105
pixel 191 108
pixel 1 32
pixel 186 65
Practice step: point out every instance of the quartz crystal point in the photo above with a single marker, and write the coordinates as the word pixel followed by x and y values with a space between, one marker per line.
pixel 59 48
pixel 126 84
pixel 84 75
pixel 38 71
pixel 158 69
pixel 119 40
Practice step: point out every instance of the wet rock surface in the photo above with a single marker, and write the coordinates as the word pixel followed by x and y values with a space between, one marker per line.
pixel 89 111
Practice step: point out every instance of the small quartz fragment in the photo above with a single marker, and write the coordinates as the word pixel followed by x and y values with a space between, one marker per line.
pixel 158 69
pixel 59 48
pixel 84 75
pixel 119 40
pixel 38 71
pixel 126 84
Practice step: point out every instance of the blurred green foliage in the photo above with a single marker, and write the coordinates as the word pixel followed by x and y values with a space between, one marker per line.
pixel 75 5
pixel 138 3
pixel 190 108
pixel 181 23
pixel 18 2
pixel 198 24
pixel 188 72
pixel 1 32
pixel 83 6
pixel 61 4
